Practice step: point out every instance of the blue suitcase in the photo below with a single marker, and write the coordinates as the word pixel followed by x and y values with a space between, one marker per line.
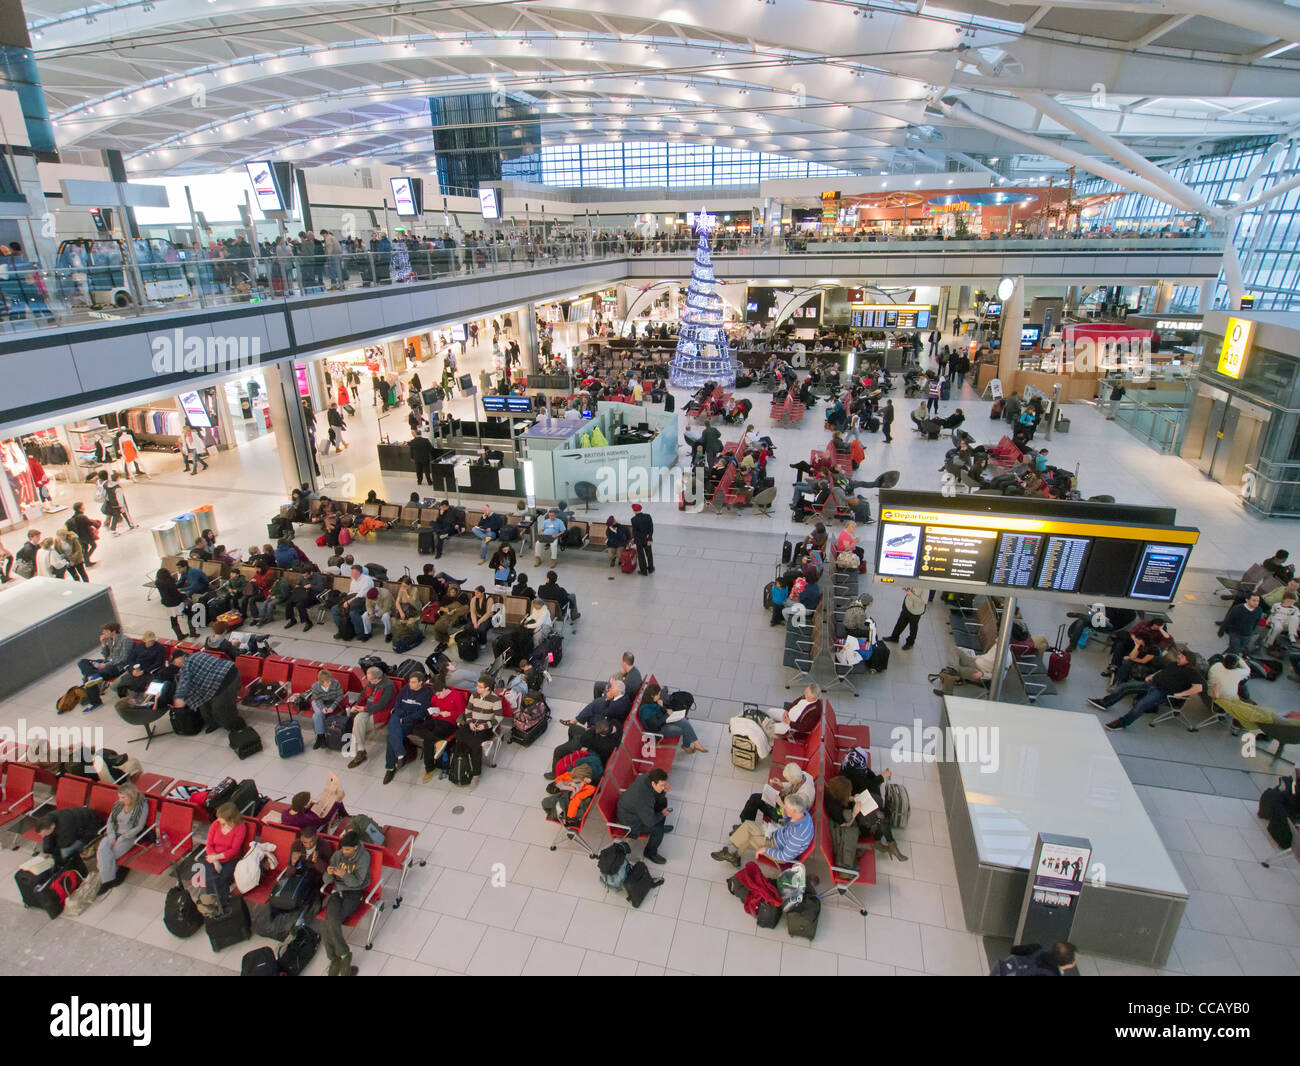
pixel 288 736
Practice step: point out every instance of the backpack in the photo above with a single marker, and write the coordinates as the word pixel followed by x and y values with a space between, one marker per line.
pixel 460 768
pixel 1013 966
pixel 571 538
pixel 855 618
pixel 613 866
pixel 260 962
pixel 70 699
pixel 368 828
pixel 180 915
pixel 637 883
pixel 299 951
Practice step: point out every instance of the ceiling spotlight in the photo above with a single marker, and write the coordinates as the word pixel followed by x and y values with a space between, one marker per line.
pixel 719 53
pixel 742 92
pixel 465 43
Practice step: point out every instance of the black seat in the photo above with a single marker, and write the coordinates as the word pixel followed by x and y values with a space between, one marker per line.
pixel 143 716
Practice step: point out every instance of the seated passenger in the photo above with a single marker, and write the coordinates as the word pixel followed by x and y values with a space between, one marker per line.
pixel 614 705
pixel 439 726
pixel 300 814
pixel 370 712
pixel 844 806
pixel 783 841
pixel 653 716
pixel 479 722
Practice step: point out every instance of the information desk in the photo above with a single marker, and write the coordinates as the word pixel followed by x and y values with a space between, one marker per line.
pixel 45 624
pixel 1055 772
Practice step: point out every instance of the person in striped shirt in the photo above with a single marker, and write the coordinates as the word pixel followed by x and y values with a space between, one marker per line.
pixel 780 842
pixel 480 721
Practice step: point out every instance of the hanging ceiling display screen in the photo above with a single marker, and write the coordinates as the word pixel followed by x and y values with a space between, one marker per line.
pixel 1049 549
pixel 403 197
pixel 264 187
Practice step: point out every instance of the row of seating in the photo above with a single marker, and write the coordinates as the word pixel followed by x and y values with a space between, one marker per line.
pixel 788 412
pixel 168 834
pixel 632 758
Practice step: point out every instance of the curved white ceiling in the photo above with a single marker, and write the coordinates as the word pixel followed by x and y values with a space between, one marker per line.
pixel 183 86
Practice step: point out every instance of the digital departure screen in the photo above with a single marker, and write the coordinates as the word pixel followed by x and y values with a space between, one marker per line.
pixel 1159 570
pixel 1016 560
pixel 961 554
pixel 1108 552
pixel 1063 562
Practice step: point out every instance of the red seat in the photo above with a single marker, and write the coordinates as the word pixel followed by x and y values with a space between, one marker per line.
pixel 723 494
pixel 844 879
pixel 302 678
pixel 153 784
pixel 173 838
pixel 250 669
pixel 619 774
pixel 373 902
pixel 399 854
pixel 282 837
pixel 846 736
pixel 102 798
pixel 275 670
pixel 635 748
pixel 16 791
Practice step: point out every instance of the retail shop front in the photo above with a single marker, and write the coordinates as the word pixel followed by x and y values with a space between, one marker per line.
pixel 1243 420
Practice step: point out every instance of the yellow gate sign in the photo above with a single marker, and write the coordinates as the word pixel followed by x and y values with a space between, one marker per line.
pixel 1236 346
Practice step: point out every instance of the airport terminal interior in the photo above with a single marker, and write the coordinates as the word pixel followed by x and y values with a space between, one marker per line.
pixel 904 395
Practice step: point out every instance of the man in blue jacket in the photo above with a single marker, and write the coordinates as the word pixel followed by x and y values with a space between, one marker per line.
pixel 191 580
pixel 487 530
pixel 411 707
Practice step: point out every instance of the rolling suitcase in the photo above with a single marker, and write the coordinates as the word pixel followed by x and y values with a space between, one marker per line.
pixel 288 736
pixel 627 560
pixel 530 721
pixel 231 928
pixel 1058 661
pixel 879 661
pixel 898 804
pixel 425 542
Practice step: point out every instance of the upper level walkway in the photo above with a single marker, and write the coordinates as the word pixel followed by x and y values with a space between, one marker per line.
pixel 60 355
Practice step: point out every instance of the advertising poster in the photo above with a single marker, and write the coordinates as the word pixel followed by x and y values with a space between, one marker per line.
pixel 902 549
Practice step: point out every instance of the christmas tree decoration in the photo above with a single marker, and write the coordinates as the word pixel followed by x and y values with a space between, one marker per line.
pixel 399 266
pixel 703 352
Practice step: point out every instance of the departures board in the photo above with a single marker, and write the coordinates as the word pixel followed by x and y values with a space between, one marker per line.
pixel 1000 544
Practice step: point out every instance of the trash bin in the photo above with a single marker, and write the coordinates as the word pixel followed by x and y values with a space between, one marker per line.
pixel 205 518
pixel 187 529
pixel 167 540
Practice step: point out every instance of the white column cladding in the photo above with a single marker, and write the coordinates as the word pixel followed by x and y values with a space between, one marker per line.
pixel 289 422
pixel 1013 319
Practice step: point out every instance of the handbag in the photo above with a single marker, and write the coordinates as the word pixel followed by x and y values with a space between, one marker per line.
pixel 847 560
pixel 25 568
pixel 502 575
pixel 345 538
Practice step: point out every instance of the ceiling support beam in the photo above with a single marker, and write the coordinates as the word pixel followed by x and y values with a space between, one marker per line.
pixel 1262 16
pixel 1164 27
pixel 959 112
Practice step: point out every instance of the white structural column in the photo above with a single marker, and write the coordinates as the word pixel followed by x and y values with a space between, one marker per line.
pixel 1013 320
pixel 289 422
pixel 1206 299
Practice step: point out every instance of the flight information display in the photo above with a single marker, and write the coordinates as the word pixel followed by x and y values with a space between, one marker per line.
pixel 961 554
pixel 1016 560
pixel 1108 552
pixel 1063 562
pixel 1159 570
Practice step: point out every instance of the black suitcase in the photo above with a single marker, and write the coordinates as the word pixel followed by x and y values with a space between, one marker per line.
pixel 244 741
pixel 669 402
pixel 425 542
pixel 336 728
pixel 802 920
pixel 345 626
pixel 769 915
pixel 180 915
pixel 526 735
pixel 233 927
pixel 467 645
pixel 260 962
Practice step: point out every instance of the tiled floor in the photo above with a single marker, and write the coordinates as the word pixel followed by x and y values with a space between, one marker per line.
pixel 495 899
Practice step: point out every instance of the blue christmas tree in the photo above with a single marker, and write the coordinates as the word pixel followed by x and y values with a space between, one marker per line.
pixel 703 353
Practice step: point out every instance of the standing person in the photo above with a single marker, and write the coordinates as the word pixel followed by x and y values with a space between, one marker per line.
pixel 190 450
pixel 934 344
pixel 56 563
pixel 422 453
pixel 909 616
pixel 173 599
pixel 25 559
pixel 209 684
pixel 84 527
pixel 932 396
pixel 67 544
pixel 114 506
pixel 643 528
pixel 961 363
pixel 337 426
pixel 887 420
pixel 956 325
